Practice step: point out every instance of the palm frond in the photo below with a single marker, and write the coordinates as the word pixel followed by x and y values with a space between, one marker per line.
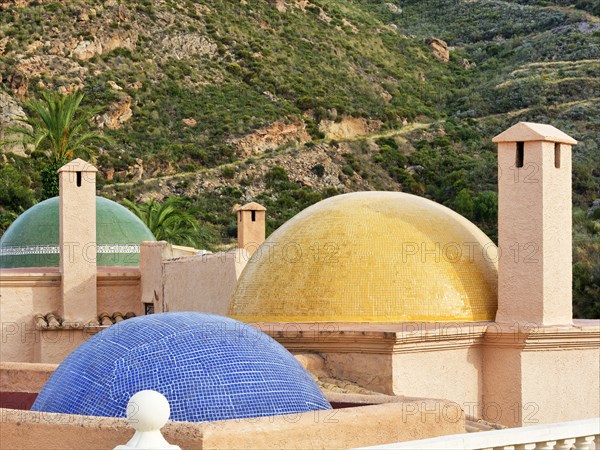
pixel 57 126
pixel 167 220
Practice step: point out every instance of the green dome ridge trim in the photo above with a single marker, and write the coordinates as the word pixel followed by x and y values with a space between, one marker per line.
pixel 17 250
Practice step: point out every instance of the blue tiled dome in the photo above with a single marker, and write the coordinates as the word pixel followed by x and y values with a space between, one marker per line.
pixel 209 368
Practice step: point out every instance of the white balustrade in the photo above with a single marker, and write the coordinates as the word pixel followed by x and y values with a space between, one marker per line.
pixel 584 443
pixel 147 413
pixel 565 444
pixel 576 435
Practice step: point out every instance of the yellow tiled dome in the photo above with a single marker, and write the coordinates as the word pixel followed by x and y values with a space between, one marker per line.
pixel 376 257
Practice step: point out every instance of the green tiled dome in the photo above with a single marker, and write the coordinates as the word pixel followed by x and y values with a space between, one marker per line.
pixel 32 240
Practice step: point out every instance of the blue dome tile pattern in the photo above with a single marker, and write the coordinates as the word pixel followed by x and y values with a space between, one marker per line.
pixel 209 368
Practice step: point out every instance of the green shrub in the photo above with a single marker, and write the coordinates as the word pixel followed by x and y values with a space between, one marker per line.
pixel 228 172
pixel 347 170
pixel 275 177
pixel 50 179
pixel 318 170
pixel 15 191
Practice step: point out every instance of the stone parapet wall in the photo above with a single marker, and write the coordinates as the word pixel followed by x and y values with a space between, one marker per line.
pixel 512 374
pixel 24 377
pixel 345 428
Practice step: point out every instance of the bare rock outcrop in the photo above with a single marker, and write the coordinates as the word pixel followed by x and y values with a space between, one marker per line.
pixel 439 48
pixel 121 39
pixel 136 85
pixel 59 47
pixel 18 83
pixel 118 113
pixel 318 166
pixel 394 9
pixel 137 170
pixel 10 111
pixel 52 65
pixel 87 49
pixel 349 127
pixel 114 85
pixel 5 4
pixel 279 5
pixel 187 45
pixel 385 95
pixel 3 45
pixel 271 138
pixel 300 169
pixel 592 210
pixel 350 25
pixel 283 5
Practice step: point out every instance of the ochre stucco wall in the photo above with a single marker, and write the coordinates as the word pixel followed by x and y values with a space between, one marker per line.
pixel 202 283
pixel 502 386
pixel 542 374
pixel 21 296
pixel 560 385
pixel 24 294
pixel 453 374
pixel 152 254
pixel 119 290
pixel 53 346
pixel 557 234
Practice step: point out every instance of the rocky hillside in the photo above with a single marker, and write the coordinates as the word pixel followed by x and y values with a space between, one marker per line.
pixel 186 87
pixel 289 101
pixel 185 80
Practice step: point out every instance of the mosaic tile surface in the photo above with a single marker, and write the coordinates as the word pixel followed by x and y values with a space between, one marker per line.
pixel 209 368
pixel 32 240
pixel 379 257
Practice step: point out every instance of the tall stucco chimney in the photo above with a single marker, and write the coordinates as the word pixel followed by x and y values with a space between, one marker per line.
pixel 534 225
pixel 251 226
pixel 77 219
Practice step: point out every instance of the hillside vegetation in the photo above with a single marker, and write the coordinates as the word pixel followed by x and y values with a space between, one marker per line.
pixel 286 102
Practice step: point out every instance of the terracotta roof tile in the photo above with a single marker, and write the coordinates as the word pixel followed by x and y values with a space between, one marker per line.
pixel 52 320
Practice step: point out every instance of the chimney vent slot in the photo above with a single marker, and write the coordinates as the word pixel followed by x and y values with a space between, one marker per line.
pixel 520 154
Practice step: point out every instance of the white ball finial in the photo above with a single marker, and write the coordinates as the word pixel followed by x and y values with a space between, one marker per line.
pixel 147 413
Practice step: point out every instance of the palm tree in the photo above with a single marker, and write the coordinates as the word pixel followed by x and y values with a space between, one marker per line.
pixel 57 127
pixel 167 221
